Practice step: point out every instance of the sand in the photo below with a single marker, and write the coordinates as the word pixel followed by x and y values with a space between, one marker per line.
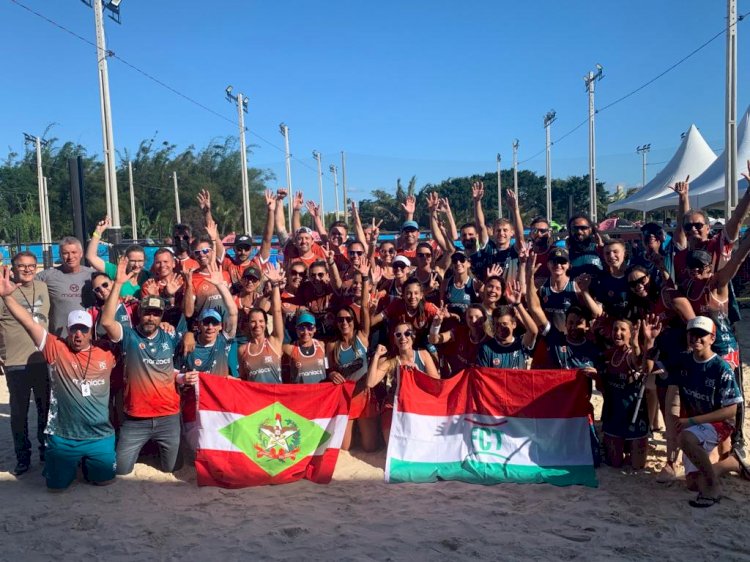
pixel 149 515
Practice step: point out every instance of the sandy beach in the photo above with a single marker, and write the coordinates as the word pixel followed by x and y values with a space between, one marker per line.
pixel 149 515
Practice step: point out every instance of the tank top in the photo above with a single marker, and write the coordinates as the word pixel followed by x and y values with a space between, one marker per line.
pixel 620 397
pixel 264 366
pixel 308 368
pixel 556 303
pixel 351 361
pixel 705 303
pixel 390 380
pixel 458 299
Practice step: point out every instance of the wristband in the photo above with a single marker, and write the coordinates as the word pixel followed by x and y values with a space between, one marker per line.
pixel 692 421
pixel 96 235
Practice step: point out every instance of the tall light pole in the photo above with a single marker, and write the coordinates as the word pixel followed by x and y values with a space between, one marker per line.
pixel 590 79
pixel 333 170
pixel 731 196
pixel 548 120
pixel 110 169
pixel 515 166
pixel 47 231
pixel 284 130
pixel 178 215
pixel 499 189
pixel 343 185
pixel 241 101
pixel 38 144
pixel 133 216
pixel 643 150
pixel 316 155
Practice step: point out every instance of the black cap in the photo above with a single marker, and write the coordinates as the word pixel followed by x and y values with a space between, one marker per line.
pixel 652 228
pixel 559 253
pixel 698 258
pixel 243 240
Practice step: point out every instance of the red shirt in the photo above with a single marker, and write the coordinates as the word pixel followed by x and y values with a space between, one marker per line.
pixel 291 254
pixel 719 248
pixel 235 270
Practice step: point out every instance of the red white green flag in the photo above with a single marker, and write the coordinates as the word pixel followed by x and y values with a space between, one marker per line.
pixel 488 426
pixel 250 434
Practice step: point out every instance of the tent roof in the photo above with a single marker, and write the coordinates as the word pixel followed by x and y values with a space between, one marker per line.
pixel 692 158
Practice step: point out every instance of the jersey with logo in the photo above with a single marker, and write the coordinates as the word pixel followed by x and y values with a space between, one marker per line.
pixel 705 386
pixel 584 258
pixel 308 366
pixel 264 366
pixel 458 298
pixel 150 373
pixel 620 389
pixel 556 303
pixel 498 356
pixel 565 354
pixel 351 361
pixel 703 301
pixel 207 295
pixel 79 389
pixel 612 292
pixel 212 358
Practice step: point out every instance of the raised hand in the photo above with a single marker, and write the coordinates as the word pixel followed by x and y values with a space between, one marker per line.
pixel 683 187
pixel 583 281
pixel 204 200
pixel 187 275
pixel 363 268
pixel 313 209
pixel 150 288
pixel 410 205
pixel 477 190
pixel 274 274
pixel 375 230
pixel 328 254
pixel 270 200
pixel 513 292
pixel 651 327
pixel 380 351
pixel 511 199
pixel 6 285
pixel 355 210
pixel 523 254
pixel 444 206
pixel 215 276
pixel 103 225
pixel 212 229
pixel 174 284
pixel 123 276
pixel 281 193
pixel 298 201
pixel 495 270
pixel 432 202
pixel 442 314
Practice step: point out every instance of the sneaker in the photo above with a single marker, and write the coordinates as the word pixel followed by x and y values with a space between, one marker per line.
pixel 21 468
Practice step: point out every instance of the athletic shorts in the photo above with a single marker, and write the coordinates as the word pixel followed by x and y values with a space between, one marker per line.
pixel 96 456
pixel 709 436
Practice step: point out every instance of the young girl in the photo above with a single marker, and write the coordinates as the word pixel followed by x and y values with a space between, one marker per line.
pixel 386 368
pixel 619 382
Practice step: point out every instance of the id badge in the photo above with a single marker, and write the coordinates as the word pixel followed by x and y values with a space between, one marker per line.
pixel 85 389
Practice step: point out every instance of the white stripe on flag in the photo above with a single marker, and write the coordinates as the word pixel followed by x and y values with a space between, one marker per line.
pixel 209 423
pixel 517 441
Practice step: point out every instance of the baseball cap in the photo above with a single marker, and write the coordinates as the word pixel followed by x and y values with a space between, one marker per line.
pixel 305 318
pixel 151 303
pixel 698 258
pixel 402 259
pixel 243 240
pixel 458 254
pixel 80 318
pixel 210 313
pixel 303 230
pixel 558 253
pixel 652 228
pixel 410 224
pixel 252 271
pixel 702 323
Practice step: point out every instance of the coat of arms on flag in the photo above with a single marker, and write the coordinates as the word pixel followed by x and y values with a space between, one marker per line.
pixel 248 434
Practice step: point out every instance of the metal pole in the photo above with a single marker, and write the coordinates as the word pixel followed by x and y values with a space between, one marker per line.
pixel 343 185
pixel 133 216
pixel 643 150
pixel 548 120
pixel 40 186
pixel 316 155
pixel 499 189
pixel 108 200
pixel 248 223
pixel 730 170
pixel 176 198
pixel 515 167
pixel 590 79
pixel 109 144
pixel 47 233
pixel 285 132
pixel 332 169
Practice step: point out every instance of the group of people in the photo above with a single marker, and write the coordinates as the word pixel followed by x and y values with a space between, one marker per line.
pixel 109 348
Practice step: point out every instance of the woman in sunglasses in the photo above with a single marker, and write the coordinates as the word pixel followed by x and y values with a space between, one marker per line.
pixel 428 272
pixel 347 360
pixel 384 368
pixel 205 294
pixel 460 288
pixel 101 285
pixel 413 309
pixel 307 356
pixel 401 267
pixel 384 260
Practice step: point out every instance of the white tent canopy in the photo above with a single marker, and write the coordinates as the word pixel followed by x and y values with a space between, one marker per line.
pixel 708 189
pixel 692 158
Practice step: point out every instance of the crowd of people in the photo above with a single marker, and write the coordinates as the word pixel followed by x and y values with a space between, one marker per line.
pixel 107 349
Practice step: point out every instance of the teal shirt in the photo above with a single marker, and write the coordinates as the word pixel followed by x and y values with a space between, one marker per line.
pixel 212 359
pixel 494 354
pixel 128 289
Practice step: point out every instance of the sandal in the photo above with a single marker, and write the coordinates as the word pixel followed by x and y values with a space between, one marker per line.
pixel 704 501
pixel 744 468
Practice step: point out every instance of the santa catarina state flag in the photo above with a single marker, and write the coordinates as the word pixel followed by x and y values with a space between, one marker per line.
pixel 249 434
pixel 488 426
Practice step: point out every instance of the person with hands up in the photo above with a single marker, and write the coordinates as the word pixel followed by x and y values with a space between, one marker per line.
pixel 135 254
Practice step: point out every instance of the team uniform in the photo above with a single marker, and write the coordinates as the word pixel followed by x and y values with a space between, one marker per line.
pixel 612 292
pixel 211 358
pixel 620 390
pixel 490 255
pixel 458 297
pixel 264 366
pixel 494 354
pixel 207 295
pixel 78 427
pixel 306 367
pixel 555 304
pixel 704 303
pixel 584 258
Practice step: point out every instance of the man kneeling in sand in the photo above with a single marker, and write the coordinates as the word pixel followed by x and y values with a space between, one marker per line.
pixel 78 429
pixel 708 396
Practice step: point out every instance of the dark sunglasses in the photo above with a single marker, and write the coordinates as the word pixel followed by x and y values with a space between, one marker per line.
pixel 399 266
pixel 242 248
pixel 79 328
pixel 104 285
pixel 458 259
pixel 251 278
pixel 640 281
pixel 580 227
pixel 210 322
pixel 388 251
pixel 693 225
pixel 319 275
pixel 182 237
pixel 542 230
pixel 558 261
pixel 406 334
pixel 356 253
pixel 297 273
pixel 203 251
pixel 305 327
pixel 410 229
pixel 424 255
pixel 342 319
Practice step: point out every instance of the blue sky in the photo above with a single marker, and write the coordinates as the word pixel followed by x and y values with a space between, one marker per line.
pixel 433 89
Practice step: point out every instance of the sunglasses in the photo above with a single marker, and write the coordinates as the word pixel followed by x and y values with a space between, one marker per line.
pixel 182 237
pixel 558 262
pixel 390 251
pixel 305 327
pixel 410 230
pixel 424 255
pixel 541 230
pixel 104 285
pixel 399 266
pixel 251 279
pixel 356 253
pixel 320 275
pixel 640 281
pixel 210 322
pixel 459 259
pixel 400 335
pixel 79 328
pixel 242 248
pixel 342 319
pixel 202 251
pixel 580 227
pixel 297 273
pixel 693 225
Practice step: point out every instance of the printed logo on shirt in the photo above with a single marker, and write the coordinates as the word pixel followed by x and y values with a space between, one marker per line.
pixel 268 359
pixel 102 365
pixel 198 362
pixel 141 346
pixel 74 288
pixel 496 362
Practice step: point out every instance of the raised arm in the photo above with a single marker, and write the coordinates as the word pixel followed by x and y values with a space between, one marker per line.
pixel 216 279
pixel 333 270
pixel 204 202
pixel 532 296
pixel 359 231
pixel 108 321
pixel 445 208
pixel 514 297
pixel 265 244
pixel 364 302
pixel 582 283
pixel 379 367
pixel 212 230
pixel 682 189
pixel 432 204
pixel 410 205
pixel 512 202
pixel 92 249
pixel 724 276
pixel 275 276
pixel 297 204
pixel 732 228
pixel 477 192
pixel 314 211
pixel 188 300
pixel 7 287
pixel 279 217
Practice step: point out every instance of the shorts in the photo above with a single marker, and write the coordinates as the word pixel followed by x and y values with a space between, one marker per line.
pixel 96 456
pixel 733 358
pixel 709 436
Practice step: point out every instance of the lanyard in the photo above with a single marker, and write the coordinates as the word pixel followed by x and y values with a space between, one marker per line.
pixel 84 372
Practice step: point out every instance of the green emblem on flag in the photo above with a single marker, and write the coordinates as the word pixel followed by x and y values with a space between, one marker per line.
pixel 275 438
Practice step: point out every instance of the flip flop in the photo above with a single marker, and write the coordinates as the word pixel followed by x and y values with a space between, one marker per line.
pixel 744 468
pixel 703 502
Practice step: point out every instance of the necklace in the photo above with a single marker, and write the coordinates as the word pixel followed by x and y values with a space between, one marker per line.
pixel 624 356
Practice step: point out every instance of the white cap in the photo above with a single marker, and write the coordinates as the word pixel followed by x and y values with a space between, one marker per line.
pixel 80 318
pixel 702 323
pixel 401 259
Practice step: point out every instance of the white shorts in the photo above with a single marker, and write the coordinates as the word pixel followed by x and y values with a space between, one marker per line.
pixel 707 437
